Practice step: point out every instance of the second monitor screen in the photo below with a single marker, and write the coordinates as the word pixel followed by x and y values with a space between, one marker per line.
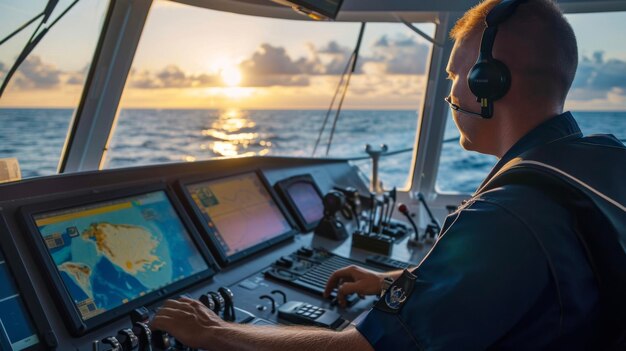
pixel 239 211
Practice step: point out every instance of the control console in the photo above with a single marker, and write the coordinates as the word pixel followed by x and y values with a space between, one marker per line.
pixel 309 269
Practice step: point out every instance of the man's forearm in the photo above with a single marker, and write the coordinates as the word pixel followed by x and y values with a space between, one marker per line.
pixel 246 337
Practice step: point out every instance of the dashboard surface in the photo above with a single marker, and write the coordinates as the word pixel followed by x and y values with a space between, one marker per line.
pixel 36 317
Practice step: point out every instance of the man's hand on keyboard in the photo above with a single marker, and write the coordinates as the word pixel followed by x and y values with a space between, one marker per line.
pixel 353 279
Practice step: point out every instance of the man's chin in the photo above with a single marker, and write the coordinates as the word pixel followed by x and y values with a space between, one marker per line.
pixel 466 144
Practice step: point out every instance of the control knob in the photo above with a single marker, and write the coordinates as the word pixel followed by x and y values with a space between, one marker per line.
pixel 144 335
pixel 111 343
pixel 207 301
pixel 161 340
pixel 128 340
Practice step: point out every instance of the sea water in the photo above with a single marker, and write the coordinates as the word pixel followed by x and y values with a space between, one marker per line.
pixel 148 136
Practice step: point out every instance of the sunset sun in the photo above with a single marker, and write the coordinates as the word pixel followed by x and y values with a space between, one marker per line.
pixel 231 76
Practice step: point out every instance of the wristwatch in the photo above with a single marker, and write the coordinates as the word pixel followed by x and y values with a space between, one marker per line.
pixel 387 281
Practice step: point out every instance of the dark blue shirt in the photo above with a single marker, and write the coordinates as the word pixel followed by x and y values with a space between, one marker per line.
pixel 508 271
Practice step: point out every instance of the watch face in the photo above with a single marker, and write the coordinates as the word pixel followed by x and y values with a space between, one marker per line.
pixel 397 294
pixel 387 281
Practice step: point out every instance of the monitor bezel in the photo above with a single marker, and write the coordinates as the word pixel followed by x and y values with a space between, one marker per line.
pixel 72 317
pixel 15 265
pixel 211 240
pixel 309 6
pixel 281 188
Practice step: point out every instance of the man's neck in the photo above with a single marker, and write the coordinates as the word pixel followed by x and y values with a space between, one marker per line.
pixel 516 125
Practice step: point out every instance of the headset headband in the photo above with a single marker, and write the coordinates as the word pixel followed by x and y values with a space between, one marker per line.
pixel 496 16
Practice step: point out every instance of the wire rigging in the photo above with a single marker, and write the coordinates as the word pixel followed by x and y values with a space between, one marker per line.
pixel 20 28
pixel 35 38
pixel 355 57
pixel 332 103
pixel 348 70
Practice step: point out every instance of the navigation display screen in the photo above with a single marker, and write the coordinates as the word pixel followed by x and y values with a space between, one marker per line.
pixel 110 253
pixel 307 200
pixel 239 212
pixel 17 331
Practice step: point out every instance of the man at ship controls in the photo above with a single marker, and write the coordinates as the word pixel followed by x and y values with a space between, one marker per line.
pixel 510 269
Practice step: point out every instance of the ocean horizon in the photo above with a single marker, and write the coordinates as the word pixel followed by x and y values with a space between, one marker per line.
pixel 35 136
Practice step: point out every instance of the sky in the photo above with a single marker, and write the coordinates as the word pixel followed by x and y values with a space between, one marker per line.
pixel 198 58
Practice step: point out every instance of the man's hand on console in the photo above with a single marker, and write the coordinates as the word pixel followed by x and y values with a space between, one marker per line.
pixel 353 279
pixel 195 326
pixel 187 320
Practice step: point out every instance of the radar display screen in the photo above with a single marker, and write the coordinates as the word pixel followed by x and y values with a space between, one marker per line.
pixel 303 198
pixel 17 331
pixel 116 251
pixel 239 213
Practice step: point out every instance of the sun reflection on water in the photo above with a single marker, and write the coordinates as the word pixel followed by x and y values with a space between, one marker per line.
pixel 233 134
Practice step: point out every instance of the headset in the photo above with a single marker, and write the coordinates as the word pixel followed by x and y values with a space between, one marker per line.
pixel 490 79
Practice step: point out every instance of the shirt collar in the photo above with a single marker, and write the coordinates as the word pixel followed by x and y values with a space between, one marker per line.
pixel 560 127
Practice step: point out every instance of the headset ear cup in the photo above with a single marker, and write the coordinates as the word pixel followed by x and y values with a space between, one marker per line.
pixel 489 79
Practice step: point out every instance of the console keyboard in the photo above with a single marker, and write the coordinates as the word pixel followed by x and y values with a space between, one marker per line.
pixel 310 269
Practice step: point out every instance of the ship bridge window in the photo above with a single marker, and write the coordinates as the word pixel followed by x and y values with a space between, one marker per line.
pixel 40 99
pixel 207 84
pixel 597 99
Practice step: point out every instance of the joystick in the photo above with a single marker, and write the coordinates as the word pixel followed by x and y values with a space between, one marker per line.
pixel 415 241
pixel 330 227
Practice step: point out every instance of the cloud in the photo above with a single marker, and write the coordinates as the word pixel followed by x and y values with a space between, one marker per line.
pixel 272 66
pixel 35 74
pixel 333 59
pixel 598 78
pixel 171 76
pixel 267 66
pixel 401 56
pixel 269 60
pixel 275 80
pixel 77 77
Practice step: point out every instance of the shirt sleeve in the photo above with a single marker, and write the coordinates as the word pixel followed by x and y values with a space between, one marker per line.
pixel 483 274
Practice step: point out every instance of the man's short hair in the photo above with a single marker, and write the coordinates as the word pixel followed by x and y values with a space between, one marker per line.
pixel 540 24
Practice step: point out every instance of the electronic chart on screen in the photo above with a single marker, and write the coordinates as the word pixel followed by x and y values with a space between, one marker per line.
pixel 112 252
pixel 17 331
pixel 239 212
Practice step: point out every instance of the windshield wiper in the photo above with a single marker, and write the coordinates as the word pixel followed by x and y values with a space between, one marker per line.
pixel 34 39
